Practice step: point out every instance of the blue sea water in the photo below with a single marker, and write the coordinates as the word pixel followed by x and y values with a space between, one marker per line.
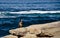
pixel 10 20
pixel 24 5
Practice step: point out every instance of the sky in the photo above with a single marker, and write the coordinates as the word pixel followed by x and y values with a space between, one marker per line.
pixel 13 5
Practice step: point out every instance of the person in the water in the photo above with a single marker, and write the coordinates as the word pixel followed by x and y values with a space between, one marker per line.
pixel 20 24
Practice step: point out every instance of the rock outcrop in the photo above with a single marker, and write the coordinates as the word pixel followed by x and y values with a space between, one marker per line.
pixel 10 36
pixel 29 35
pixel 19 31
pixel 38 30
pixel 45 26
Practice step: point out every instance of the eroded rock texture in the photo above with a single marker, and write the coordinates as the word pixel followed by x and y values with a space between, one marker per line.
pixel 38 30
pixel 10 36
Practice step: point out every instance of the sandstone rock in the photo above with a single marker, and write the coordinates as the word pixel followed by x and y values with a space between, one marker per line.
pixel 49 29
pixel 28 35
pixel 37 31
pixel 10 36
pixel 18 31
pixel 53 31
pixel 33 30
pixel 46 26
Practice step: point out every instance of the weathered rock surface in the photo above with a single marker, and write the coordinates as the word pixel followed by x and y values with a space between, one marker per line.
pixel 10 36
pixel 45 26
pixel 19 31
pixel 28 35
pixel 33 30
pixel 57 34
pixel 49 29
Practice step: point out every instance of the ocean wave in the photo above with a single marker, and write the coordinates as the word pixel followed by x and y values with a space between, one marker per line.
pixel 34 11
pixel 19 14
pixel 28 12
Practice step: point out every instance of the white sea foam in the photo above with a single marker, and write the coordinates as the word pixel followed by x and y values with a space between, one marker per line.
pixel 2 14
pixel 29 12
pixel 34 11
